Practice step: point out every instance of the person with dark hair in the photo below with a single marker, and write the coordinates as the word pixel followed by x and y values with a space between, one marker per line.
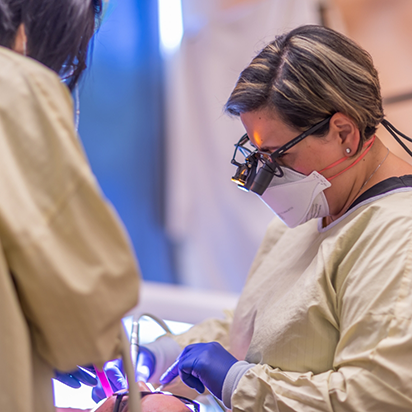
pixel 57 34
pixel 324 320
pixel 67 270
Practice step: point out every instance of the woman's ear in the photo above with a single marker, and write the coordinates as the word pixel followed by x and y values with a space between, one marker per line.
pixel 20 44
pixel 347 132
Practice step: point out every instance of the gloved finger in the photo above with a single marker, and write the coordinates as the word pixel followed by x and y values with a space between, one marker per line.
pixel 146 362
pixel 67 379
pixel 84 377
pixel 171 373
pixel 98 393
pixel 192 381
pixel 188 375
pixel 89 368
pixel 142 374
pixel 114 373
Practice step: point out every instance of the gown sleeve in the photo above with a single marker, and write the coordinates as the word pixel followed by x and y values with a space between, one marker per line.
pixel 70 258
pixel 370 272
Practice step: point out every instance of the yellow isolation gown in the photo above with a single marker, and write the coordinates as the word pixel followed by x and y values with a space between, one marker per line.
pixel 67 271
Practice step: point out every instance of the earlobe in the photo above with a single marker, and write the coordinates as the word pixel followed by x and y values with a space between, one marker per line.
pixel 352 141
pixel 347 132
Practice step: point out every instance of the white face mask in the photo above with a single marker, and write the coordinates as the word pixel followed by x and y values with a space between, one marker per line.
pixel 297 198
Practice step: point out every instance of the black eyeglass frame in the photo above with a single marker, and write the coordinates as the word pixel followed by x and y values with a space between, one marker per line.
pixel 186 401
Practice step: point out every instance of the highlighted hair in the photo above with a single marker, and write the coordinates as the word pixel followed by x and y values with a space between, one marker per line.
pixel 308 74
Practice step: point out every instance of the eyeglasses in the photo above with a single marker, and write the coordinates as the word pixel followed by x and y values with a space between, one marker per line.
pixel 251 156
pixel 120 404
pixel 67 71
pixel 245 151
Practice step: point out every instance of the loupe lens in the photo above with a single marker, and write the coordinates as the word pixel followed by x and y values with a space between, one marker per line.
pixel 262 180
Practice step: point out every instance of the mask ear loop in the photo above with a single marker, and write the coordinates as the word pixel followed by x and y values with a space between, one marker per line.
pixel 368 144
pixel 76 99
pixel 396 133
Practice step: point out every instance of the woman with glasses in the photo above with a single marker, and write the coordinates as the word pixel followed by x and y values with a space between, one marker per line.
pixel 67 271
pixel 324 322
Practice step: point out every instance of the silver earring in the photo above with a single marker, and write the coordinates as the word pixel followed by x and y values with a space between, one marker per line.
pixel 25 48
pixel 348 150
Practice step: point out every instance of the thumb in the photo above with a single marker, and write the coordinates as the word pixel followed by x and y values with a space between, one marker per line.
pixel 115 375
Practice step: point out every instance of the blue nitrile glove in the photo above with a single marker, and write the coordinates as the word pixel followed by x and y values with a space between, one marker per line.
pixel 114 373
pixel 146 363
pixel 200 365
pixel 76 377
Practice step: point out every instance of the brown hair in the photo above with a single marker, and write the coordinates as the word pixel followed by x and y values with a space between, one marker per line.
pixel 309 74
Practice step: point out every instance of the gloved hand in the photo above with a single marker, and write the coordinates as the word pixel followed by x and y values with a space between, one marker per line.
pixel 200 365
pixel 114 373
pixel 76 377
pixel 146 363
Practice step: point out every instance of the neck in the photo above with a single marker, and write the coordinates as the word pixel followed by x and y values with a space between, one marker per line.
pixel 21 40
pixel 360 178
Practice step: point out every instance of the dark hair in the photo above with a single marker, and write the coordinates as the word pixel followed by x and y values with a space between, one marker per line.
pixel 58 32
pixel 10 20
pixel 309 74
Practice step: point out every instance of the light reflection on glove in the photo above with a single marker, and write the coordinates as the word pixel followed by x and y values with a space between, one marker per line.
pixel 75 378
pixel 200 365
pixel 146 363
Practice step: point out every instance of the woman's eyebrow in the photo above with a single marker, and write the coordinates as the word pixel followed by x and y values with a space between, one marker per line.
pixel 264 148
pixel 268 149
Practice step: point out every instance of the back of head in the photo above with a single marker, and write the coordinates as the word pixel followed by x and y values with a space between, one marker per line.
pixel 58 32
pixel 309 74
pixel 10 19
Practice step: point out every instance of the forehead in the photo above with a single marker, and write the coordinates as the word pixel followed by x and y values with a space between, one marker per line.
pixel 266 130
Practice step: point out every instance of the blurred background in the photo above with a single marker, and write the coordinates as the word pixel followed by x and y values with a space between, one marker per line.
pixel 159 143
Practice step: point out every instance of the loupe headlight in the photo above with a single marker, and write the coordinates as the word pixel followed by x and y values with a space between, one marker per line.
pixel 246 161
pixel 245 173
